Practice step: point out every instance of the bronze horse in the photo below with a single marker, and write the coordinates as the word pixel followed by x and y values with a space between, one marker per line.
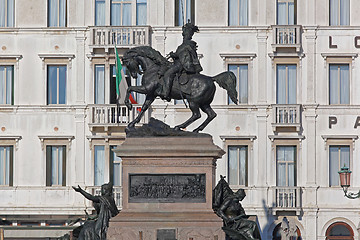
pixel 197 89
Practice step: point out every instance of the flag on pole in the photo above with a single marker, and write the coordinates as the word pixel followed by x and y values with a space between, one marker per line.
pixel 118 73
pixel 121 86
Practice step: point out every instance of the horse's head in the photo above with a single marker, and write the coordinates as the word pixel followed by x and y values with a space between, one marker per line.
pixel 133 66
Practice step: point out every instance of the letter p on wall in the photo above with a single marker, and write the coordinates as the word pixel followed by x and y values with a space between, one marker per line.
pixel 332 121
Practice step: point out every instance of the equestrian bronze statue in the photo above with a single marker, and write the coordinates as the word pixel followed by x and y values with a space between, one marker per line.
pixel 178 79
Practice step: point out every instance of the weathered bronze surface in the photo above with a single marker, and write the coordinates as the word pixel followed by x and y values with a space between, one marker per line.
pixel 226 204
pixel 95 228
pixel 160 77
pixel 167 188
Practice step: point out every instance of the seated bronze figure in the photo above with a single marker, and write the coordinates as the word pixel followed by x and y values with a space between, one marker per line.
pixel 226 205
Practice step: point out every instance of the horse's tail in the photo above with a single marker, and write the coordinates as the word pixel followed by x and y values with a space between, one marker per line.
pixel 227 80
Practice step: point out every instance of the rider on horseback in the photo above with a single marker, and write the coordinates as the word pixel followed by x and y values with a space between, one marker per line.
pixel 185 59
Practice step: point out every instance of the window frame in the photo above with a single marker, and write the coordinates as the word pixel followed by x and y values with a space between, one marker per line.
pixel 286 141
pixel 238 14
pixel 6 19
pixel 12 84
pixel 286 162
pixel 96 83
pixel 339 83
pixel 58 15
pixel 240 59
pixel 49 165
pixel 121 2
pixel 238 79
pixel 107 143
pixel 247 141
pixel 8 173
pixel 56 140
pixel 287 11
pixel 58 84
pixel 239 171
pixel 333 144
pixel 339 15
pixel 287 94
pixel 339 237
pixel 178 10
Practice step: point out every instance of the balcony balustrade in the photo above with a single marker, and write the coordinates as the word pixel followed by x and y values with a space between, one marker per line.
pixel 286 116
pixel 110 115
pixel 287 199
pixel 287 36
pixel 124 37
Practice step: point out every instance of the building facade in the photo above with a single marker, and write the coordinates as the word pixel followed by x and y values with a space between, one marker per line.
pixel 296 124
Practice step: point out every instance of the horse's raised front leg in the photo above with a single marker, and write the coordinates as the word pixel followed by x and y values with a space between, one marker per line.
pixel 148 101
pixel 195 116
pixel 211 115
pixel 138 89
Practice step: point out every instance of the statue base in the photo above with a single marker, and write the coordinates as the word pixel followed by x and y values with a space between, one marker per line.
pixel 167 189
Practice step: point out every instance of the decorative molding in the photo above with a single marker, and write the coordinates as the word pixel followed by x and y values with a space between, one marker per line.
pixel 234 137
pixel 105 138
pixel 17 57
pixel 44 56
pixel 284 137
pixel 226 56
pixel 340 137
pixel 299 55
pixel 44 138
pixel 337 55
pixel 15 138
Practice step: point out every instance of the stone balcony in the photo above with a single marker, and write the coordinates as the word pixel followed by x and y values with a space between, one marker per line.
pixel 286 117
pixel 287 199
pixel 286 36
pixel 107 117
pixel 124 37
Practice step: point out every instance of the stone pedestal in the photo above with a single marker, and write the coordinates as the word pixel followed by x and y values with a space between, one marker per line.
pixel 167 189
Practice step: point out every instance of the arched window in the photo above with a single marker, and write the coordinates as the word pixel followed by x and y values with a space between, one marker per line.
pixel 339 230
pixel 277 233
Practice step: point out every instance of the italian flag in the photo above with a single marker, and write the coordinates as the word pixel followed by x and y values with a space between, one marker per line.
pixel 121 89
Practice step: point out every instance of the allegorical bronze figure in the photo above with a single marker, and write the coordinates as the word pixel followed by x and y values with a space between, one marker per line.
pixel 226 204
pixel 96 228
pixel 179 79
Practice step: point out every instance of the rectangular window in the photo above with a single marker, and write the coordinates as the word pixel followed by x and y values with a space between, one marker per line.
pixel 99 84
pixel 6 165
pixel 57 13
pixel 184 12
pixel 141 12
pixel 238 12
pixel 115 167
pixel 286 12
pixel 339 12
pixel 339 156
pixel 99 12
pixel 286 166
pixel 339 84
pixel 6 84
pixel 120 12
pixel 56 80
pixel 55 165
pixel 241 73
pixel 7 13
pixel 99 165
pixel 286 84
pixel 238 165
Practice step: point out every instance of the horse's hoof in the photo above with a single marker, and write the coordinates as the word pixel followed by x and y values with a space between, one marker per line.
pixel 177 128
pixel 196 130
